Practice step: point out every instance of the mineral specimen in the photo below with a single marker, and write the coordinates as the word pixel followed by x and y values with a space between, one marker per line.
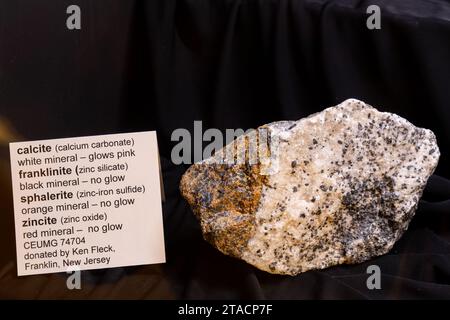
pixel 338 187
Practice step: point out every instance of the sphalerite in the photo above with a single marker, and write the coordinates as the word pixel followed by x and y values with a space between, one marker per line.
pixel 337 187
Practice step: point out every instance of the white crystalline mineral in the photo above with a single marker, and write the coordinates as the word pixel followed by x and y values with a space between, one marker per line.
pixel 347 184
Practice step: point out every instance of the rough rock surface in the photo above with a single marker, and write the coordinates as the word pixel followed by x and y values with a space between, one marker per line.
pixel 346 185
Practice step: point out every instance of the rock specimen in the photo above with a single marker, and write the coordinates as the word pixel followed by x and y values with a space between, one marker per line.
pixel 344 185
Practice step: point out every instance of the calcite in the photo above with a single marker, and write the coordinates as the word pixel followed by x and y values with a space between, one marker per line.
pixel 342 187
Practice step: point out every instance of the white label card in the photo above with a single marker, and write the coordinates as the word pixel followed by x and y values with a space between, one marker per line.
pixel 87 203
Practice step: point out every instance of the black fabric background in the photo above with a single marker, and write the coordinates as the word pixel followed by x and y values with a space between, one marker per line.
pixel 161 64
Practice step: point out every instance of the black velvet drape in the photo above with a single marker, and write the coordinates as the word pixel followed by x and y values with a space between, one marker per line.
pixel 161 64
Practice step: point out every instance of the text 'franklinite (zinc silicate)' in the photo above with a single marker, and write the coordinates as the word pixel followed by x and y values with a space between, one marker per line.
pixel 342 187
